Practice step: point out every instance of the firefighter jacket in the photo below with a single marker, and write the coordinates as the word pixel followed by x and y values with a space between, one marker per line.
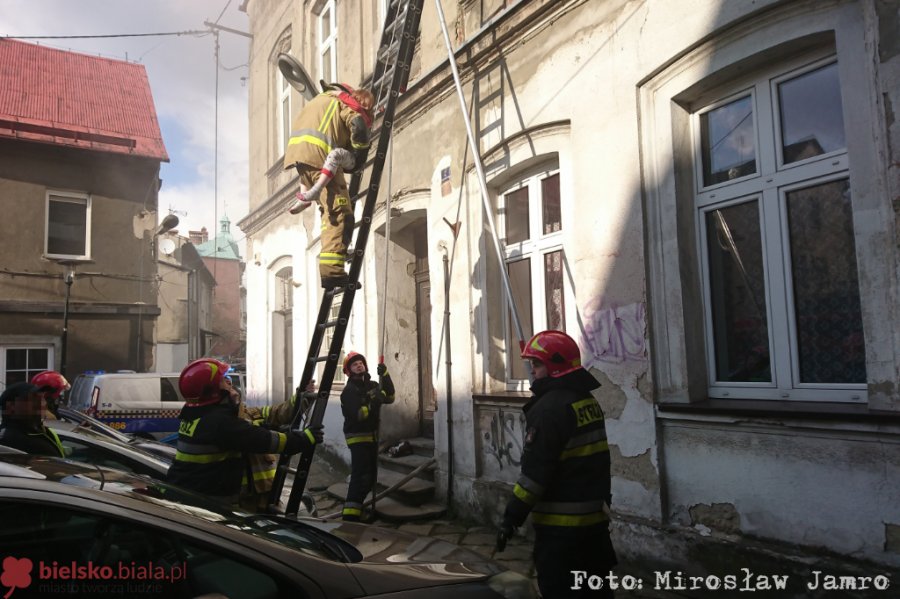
pixel 262 466
pixel 24 436
pixel 211 442
pixel 361 402
pixel 325 123
pixel 565 476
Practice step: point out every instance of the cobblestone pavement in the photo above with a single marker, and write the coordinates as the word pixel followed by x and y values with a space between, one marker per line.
pixel 476 537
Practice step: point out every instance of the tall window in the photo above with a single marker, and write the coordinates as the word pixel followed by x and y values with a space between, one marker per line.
pixel 782 302
pixel 531 219
pixel 283 110
pixel 328 42
pixel 68 227
pixel 20 363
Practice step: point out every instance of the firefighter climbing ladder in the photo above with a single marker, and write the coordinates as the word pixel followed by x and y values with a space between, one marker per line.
pixel 389 80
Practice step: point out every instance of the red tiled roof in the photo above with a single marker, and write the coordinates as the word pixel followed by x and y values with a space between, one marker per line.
pixel 71 99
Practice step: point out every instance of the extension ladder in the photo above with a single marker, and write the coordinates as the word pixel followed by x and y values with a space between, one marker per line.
pixel 389 80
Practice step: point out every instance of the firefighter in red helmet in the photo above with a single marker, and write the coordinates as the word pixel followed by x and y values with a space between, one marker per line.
pixel 361 402
pixel 52 385
pixel 565 476
pixel 213 438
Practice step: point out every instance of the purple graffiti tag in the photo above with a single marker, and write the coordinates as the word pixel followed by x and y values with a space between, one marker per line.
pixel 616 333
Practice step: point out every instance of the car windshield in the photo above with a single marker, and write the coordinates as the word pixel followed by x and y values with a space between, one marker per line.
pixel 86 421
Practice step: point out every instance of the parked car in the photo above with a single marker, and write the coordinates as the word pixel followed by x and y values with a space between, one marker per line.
pixel 90 446
pixel 83 421
pixel 55 511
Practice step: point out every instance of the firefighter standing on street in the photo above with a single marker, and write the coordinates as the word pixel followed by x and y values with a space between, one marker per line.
pixel 565 477
pixel 24 406
pixel 329 136
pixel 212 437
pixel 361 402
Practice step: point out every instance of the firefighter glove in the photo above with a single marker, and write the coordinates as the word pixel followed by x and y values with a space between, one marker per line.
pixel 505 533
pixel 382 369
pixel 312 435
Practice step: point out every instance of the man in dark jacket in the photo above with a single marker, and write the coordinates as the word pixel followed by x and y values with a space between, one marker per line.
pixel 565 478
pixel 361 404
pixel 22 427
pixel 212 437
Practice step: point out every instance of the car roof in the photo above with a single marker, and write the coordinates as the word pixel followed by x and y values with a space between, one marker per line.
pixel 67 430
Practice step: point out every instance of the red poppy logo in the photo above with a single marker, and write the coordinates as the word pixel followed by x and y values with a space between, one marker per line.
pixel 16 574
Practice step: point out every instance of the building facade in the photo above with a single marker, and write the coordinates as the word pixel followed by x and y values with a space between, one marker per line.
pixel 705 199
pixel 80 152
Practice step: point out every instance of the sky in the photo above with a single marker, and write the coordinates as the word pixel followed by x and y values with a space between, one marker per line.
pixel 182 74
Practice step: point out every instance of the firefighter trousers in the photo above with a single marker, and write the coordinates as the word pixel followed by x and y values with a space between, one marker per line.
pixel 558 554
pixel 337 221
pixel 363 463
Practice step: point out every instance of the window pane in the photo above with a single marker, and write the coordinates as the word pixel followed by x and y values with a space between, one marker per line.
pixel 285 122
pixel 16 359
pixel 520 282
pixel 550 202
pixel 826 286
pixel 326 22
pixel 517 216
pixel 737 289
pixel 812 118
pixel 728 142
pixel 326 65
pixel 553 287
pixel 67 227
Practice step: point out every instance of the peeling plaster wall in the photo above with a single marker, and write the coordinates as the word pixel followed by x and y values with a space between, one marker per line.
pixel 809 486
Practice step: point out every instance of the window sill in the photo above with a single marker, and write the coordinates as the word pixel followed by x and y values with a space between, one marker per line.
pixel 521 397
pixel 844 412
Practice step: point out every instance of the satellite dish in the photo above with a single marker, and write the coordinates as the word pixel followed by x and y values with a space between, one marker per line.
pixel 167 246
pixel 296 75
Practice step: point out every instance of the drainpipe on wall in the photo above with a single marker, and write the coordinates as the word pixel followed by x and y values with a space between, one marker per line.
pixel 449 362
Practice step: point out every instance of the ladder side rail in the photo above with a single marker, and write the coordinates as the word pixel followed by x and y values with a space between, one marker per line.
pixel 308 373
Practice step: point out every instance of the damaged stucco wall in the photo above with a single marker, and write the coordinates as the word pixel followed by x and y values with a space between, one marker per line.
pixel 810 485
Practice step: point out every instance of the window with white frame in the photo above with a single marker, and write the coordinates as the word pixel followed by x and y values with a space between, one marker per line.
pixel 328 42
pixel 776 240
pixel 531 221
pixel 283 109
pixel 68 225
pixel 21 362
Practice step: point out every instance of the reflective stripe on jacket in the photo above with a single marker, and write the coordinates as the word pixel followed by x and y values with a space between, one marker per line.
pixel 211 442
pixel 565 477
pixel 323 124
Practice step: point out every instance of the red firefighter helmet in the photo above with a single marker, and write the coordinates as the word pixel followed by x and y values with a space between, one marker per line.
pixel 52 382
pixel 353 357
pixel 556 350
pixel 200 381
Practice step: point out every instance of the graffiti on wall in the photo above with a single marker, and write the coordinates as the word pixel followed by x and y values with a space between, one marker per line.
pixel 615 333
pixel 502 439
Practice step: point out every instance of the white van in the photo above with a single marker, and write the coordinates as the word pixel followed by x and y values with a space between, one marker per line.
pixel 142 403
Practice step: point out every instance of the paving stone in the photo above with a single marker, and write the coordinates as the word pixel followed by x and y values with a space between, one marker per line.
pixel 450 538
pixel 485 550
pixel 448 528
pixel 514 552
pixel 417 529
pixel 478 538
pixel 478 529
pixel 525 568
